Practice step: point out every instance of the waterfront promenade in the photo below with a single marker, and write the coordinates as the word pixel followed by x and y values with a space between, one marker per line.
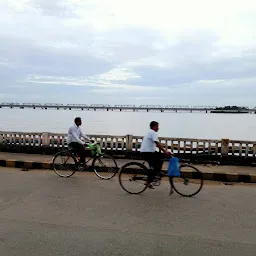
pixel 43 214
pixel 234 154
pixel 219 150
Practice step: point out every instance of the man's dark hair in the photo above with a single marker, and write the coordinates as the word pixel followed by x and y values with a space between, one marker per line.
pixel 153 124
pixel 77 119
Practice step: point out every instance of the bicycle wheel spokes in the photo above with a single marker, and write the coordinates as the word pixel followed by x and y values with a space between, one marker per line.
pixel 190 182
pixel 133 177
pixel 105 166
pixel 64 164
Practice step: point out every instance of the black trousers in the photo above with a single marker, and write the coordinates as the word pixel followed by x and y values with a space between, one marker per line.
pixel 155 161
pixel 79 149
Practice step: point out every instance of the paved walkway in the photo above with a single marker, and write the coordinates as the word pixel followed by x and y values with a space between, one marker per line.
pixel 43 214
pixel 231 173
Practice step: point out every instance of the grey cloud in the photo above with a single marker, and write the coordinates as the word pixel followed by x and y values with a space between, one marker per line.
pixel 57 8
pixel 231 68
pixel 30 58
pixel 192 59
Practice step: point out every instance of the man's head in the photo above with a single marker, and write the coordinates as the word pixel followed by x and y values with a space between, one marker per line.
pixel 154 126
pixel 78 121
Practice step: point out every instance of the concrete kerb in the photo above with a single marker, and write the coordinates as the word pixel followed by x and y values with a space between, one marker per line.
pixel 214 176
pixel 25 164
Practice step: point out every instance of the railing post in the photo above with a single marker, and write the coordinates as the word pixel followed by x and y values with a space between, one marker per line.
pixel 45 139
pixel 254 150
pixel 224 147
pixel 129 142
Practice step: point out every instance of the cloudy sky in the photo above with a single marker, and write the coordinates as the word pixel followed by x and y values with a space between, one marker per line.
pixel 166 52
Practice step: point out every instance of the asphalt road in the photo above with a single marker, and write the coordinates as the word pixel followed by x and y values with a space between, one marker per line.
pixel 43 214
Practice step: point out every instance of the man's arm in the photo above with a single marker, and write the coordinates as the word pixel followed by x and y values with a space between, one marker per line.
pixel 84 136
pixel 154 137
pixel 160 146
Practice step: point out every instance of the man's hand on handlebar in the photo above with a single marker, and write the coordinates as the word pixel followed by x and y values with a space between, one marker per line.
pixel 168 153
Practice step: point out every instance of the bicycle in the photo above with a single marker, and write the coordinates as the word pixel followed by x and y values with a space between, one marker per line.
pixel 136 174
pixel 66 162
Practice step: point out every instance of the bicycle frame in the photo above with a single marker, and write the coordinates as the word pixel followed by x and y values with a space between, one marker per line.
pixel 86 161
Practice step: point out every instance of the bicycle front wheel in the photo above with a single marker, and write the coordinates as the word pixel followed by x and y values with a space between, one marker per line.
pixel 105 166
pixel 133 177
pixel 189 183
pixel 64 164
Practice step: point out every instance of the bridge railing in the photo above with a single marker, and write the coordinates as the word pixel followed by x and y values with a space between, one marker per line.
pixel 184 145
pixel 131 143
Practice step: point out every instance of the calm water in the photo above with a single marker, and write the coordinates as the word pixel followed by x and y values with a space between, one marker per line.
pixel 184 125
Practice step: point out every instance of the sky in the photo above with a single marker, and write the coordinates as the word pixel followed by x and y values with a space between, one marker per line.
pixel 143 52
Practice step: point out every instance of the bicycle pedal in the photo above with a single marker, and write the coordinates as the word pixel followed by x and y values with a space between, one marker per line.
pixel 80 168
pixel 157 183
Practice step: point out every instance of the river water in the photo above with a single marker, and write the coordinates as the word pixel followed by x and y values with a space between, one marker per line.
pixel 179 125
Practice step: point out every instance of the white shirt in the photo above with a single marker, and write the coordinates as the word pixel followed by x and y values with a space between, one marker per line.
pixel 74 135
pixel 148 143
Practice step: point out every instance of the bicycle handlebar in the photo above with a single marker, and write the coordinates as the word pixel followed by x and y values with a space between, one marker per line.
pixel 90 144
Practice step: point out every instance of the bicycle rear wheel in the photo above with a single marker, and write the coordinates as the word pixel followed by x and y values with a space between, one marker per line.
pixel 133 177
pixel 105 166
pixel 190 183
pixel 64 164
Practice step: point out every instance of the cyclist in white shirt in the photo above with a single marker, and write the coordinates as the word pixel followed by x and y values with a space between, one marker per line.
pixel 74 139
pixel 148 149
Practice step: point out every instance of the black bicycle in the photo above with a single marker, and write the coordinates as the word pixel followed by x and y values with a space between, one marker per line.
pixel 133 178
pixel 66 162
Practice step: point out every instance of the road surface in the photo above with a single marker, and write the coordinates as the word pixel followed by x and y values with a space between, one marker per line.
pixel 43 214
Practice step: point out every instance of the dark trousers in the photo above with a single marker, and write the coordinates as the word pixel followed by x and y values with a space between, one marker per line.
pixel 155 162
pixel 79 149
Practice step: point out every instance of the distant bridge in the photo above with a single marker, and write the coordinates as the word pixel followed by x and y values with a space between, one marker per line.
pixel 94 107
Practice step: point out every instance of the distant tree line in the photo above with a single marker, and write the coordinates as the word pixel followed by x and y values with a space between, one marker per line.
pixel 232 108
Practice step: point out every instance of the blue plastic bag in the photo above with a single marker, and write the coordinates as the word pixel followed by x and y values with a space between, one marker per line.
pixel 174 168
